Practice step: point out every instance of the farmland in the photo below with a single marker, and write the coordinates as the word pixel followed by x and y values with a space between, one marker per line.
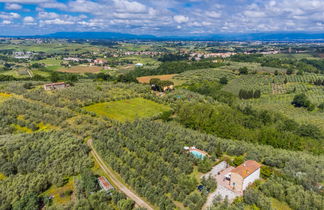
pixel 128 110
pixel 4 96
pixel 140 133
pixel 147 79
pixel 81 69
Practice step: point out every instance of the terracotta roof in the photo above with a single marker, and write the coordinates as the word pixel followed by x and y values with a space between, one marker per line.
pixel 246 168
pixel 104 182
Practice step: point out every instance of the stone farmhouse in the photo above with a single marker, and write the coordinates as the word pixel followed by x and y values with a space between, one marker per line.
pixel 55 86
pixel 244 175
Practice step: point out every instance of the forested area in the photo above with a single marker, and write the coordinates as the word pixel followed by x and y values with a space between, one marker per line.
pixel 304 65
pixel 261 127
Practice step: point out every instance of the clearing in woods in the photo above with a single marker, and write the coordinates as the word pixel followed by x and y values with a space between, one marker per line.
pixel 147 79
pixel 61 195
pixel 82 69
pixel 128 110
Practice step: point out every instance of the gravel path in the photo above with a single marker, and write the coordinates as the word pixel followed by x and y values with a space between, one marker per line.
pixel 129 193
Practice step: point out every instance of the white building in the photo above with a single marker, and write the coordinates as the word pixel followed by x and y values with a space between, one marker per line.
pixel 139 65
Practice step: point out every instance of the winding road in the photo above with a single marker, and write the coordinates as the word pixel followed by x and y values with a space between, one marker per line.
pixel 112 177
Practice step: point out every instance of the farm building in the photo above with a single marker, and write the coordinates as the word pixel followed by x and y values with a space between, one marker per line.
pixel 56 86
pixel 104 184
pixel 98 62
pixel 169 87
pixel 197 152
pixel 139 65
pixel 244 175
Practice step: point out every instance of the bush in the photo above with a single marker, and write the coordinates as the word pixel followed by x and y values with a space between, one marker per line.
pixel 28 85
pixel 321 107
pixel 301 100
pixel 223 80
pixel 244 70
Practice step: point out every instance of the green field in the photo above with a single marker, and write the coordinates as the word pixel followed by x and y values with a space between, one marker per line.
pixel 278 205
pixel 128 110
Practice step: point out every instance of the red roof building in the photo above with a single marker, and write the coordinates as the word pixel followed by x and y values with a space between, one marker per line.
pixel 104 184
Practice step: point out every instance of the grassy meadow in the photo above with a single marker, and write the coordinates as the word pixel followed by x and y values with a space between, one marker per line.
pixel 128 110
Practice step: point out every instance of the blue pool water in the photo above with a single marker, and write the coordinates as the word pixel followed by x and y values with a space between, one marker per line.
pixel 198 154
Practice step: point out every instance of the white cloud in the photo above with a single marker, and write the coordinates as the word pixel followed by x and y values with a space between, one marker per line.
pixel 129 6
pixel 181 19
pixel 6 22
pixel 56 21
pixel 213 14
pixel 84 6
pixel 53 5
pixel 29 19
pixel 254 14
pixel 9 16
pixel 13 7
pixel 48 15
pixel 25 1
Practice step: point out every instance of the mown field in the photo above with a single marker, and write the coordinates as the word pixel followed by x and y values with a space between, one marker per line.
pixel 128 110
pixel 147 79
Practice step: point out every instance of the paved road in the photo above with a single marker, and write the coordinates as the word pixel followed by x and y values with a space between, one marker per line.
pixel 129 193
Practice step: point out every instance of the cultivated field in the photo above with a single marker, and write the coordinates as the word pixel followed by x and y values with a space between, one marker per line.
pixel 147 79
pixel 82 69
pixel 128 110
pixel 4 96
pixel 252 67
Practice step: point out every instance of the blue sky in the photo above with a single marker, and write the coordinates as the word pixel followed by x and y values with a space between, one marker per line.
pixel 160 17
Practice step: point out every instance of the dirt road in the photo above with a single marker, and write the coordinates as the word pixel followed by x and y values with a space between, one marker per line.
pixel 129 193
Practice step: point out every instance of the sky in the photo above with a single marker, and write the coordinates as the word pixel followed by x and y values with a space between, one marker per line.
pixel 160 17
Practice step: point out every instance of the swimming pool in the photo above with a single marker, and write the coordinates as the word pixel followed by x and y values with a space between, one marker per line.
pixel 197 154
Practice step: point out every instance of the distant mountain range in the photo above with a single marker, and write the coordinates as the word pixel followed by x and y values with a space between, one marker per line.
pixel 276 36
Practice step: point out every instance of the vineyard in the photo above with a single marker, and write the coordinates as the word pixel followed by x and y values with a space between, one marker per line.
pixel 280 84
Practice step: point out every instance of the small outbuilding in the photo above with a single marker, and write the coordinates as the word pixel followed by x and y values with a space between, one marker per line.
pixel 104 184
pixel 139 65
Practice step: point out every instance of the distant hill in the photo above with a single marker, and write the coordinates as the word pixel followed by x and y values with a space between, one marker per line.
pixel 274 36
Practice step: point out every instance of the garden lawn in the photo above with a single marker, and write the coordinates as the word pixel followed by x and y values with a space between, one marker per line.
pixel 128 110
